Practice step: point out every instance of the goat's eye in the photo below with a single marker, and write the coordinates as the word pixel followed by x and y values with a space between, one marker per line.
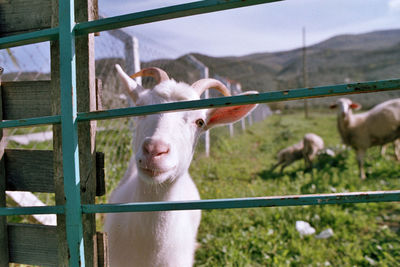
pixel 200 123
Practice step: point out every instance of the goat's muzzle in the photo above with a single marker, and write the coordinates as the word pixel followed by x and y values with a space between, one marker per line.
pixel 154 156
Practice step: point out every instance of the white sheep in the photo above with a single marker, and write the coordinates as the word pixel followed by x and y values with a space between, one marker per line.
pixel 163 148
pixel 306 148
pixel 312 144
pixel 378 126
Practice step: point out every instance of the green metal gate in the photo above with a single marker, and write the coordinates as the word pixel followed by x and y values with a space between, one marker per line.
pixel 69 119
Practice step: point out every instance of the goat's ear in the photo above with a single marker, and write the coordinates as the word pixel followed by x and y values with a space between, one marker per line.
pixel 332 106
pixel 219 116
pixel 131 88
pixel 355 106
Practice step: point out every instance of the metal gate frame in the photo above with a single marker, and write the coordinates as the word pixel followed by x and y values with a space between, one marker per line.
pixel 69 119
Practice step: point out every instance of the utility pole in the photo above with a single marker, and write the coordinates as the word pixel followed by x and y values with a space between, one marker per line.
pixel 305 78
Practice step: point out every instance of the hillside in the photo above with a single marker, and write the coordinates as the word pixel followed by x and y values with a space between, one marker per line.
pixel 341 59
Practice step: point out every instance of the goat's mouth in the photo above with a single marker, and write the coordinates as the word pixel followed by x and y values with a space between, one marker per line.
pixel 151 172
pixel 154 172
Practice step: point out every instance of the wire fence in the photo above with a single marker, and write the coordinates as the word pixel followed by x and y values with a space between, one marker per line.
pixel 32 62
pixel 113 137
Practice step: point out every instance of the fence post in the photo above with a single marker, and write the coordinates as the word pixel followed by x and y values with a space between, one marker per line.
pixel 57 151
pixel 85 10
pixel 230 125
pixel 132 60
pixel 243 122
pixel 86 101
pixel 250 119
pixel 203 75
pixel 3 219
pixel 131 49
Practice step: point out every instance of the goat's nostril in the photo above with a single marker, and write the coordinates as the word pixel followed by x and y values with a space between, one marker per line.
pixel 155 148
pixel 163 151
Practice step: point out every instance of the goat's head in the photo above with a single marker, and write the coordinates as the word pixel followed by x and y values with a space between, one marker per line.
pixel 164 143
pixel 345 106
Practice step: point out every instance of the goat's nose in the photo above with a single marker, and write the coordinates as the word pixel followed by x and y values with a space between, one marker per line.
pixel 154 148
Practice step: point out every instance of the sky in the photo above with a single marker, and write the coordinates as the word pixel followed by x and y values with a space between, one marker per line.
pixel 257 29
pixel 262 28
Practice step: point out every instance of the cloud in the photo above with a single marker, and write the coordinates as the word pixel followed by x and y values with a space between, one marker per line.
pixel 394 5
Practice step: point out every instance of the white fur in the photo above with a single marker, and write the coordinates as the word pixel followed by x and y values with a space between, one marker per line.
pixel 162 238
pixel 378 126
pixel 306 148
pixel 312 145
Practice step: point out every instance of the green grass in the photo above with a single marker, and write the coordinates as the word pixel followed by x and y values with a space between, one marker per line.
pixel 239 167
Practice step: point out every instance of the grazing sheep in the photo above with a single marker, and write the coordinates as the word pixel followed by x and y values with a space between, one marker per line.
pixel 158 171
pixel 307 148
pixel 378 126
pixel 312 145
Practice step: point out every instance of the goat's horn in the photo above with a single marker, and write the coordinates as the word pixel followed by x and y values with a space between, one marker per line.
pixel 201 85
pixel 156 73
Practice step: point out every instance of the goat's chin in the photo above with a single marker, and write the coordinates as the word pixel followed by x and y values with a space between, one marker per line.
pixel 154 177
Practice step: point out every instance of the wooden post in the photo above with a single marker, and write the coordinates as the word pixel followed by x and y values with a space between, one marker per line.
pixel 57 145
pixel 86 93
pixel 87 100
pixel 3 219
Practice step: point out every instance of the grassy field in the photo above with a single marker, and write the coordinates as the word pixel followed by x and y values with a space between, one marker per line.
pixel 364 234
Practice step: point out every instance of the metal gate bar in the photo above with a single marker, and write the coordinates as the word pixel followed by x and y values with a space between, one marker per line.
pixel 69 119
pixel 285 95
pixel 255 202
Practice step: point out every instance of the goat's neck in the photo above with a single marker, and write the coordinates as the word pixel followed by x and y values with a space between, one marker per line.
pixel 157 192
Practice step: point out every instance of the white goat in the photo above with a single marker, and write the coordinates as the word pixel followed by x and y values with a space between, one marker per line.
pixel 306 148
pixel 378 126
pixel 163 146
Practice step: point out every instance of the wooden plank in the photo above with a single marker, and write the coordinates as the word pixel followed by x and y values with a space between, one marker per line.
pixel 3 219
pixel 28 199
pixel 26 99
pixel 99 94
pixel 32 244
pixel 85 10
pixel 21 16
pixel 62 245
pixel 23 174
pixel 22 170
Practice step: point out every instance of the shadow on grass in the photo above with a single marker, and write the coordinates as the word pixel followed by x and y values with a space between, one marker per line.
pixel 268 174
pixel 389 173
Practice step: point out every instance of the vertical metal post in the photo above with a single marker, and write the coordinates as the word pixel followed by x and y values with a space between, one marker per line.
pixel 203 74
pixel 305 78
pixel 206 96
pixel 69 131
pixel 132 58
